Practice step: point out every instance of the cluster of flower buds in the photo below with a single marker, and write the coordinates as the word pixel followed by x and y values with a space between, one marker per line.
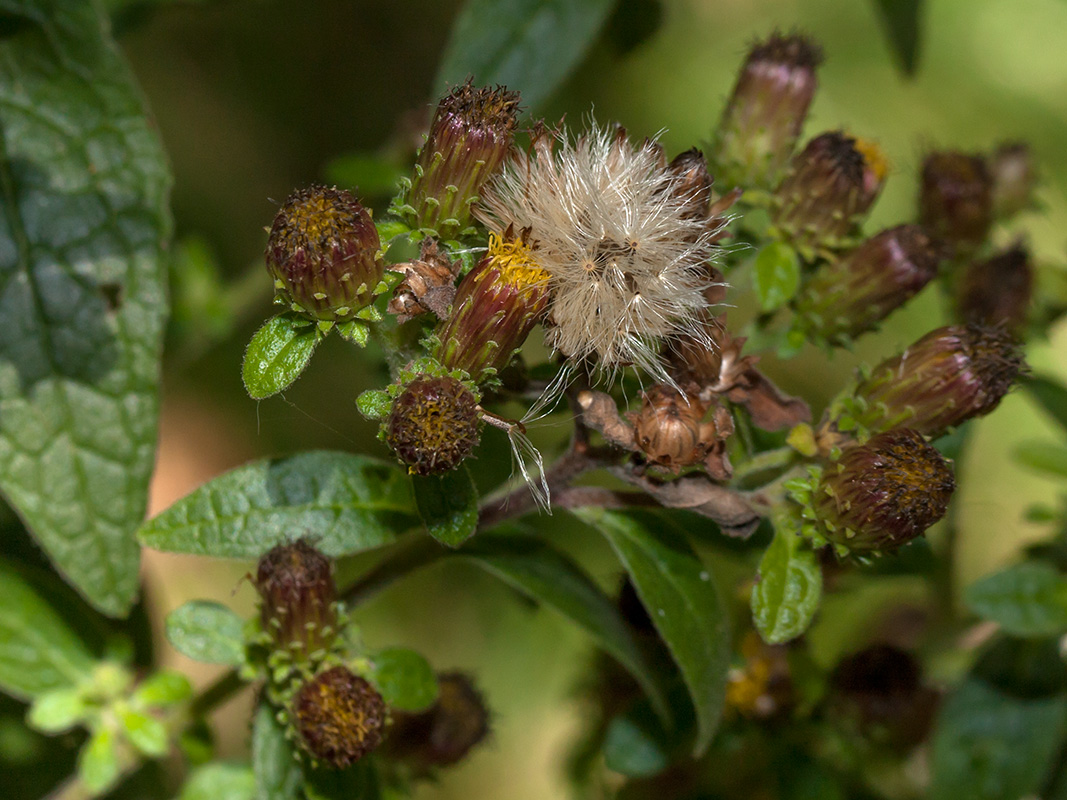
pixel 470 137
pixel 339 717
pixel 324 254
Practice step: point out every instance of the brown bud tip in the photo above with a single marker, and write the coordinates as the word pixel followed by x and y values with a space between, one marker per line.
pixel 434 425
pixel 691 183
pixel 1014 179
pixel 670 429
pixel 446 732
pixel 339 717
pixel 882 494
pixel 998 291
pixel 323 253
pixel 956 199
pixel 295 584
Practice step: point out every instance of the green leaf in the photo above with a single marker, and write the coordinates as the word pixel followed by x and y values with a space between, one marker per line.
pixel 38 652
pixel 1050 394
pixel 278 773
pixel 58 710
pixel 682 602
pixel 546 575
pixel 98 762
pixel 220 781
pixel 448 505
pixel 787 590
pixel 1044 456
pixel 144 732
pixel 1025 600
pixel 405 679
pixel 345 503
pixel 529 45
pixel 989 745
pixel 162 689
pixel 636 744
pixel 358 782
pixel 208 632
pixel 776 275
pixel 901 21
pixel 371 174
pixel 83 229
pixel 277 354
pixel 354 330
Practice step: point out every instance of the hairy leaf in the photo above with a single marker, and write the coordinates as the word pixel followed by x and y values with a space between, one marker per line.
pixel 448 505
pixel 346 503
pixel 83 228
pixel 787 591
pixel 278 353
pixel 1026 599
pixel 278 774
pixel 776 275
pixel 206 631
pixel 405 679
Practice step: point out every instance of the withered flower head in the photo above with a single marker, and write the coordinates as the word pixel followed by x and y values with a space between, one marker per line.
pixel 1014 179
pixel 852 294
pixel 496 306
pixel 947 377
pixel 956 199
pixel 443 734
pixel 469 139
pixel 339 717
pixel 671 431
pixel 434 425
pixel 428 285
pixel 882 494
pixel 765 113
pixel 297 598
pixel 997 291
pixel 829 187
pixel 323 253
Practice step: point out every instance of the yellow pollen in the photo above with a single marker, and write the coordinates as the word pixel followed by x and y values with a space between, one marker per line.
pixel 873 157
pixel 317 217
pixel 516 262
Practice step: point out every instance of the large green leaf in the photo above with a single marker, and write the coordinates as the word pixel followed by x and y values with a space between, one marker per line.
pixel 1026 599
pixel 529 45
pixel 546 575
pixel 346 503
pixel 902 22
pixel 219 780
pixel 277 772
pixel 83 227
pixel 683 603
pixel 1050 457
pixel 208 632
pixel 786 594
pixel 38 652
pixel 1050 394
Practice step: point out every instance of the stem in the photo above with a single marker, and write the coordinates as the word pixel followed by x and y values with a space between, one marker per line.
pixel 411 555
pixel 765 461
pixel 227 685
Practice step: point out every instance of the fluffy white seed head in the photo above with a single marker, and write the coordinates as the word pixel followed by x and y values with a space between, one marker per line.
pixel 627 260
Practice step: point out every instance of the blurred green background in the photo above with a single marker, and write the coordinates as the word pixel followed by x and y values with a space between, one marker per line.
pixel 255 98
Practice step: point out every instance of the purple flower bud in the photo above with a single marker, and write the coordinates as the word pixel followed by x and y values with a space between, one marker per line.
pixel 434 425
pixel 997 291
pixel 339 717
pixel 956 199
pixel 297 593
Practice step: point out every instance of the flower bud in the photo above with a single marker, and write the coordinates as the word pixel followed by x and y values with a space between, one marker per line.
pixel 496 306
pixel 830 185
pixel 433 425
pixel 339 717
pixel 670 428
pixel 470 137
pixel 947 377
pixel 1014 179
pixel 761 122
pixel 443 734
pixel 882 494
pixel 692 183
pixel 956 199
pixel 297 593
pixel 851 295
pixel 997 291
pixel 323 252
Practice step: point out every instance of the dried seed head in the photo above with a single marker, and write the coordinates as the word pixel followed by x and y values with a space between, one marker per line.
pixel 882 494
pixel 947 377
pixel 997 291
pixel 670 429
pixel 828 189
pixel 434 425
pixel 469 139
pixel 852 294
pixel 297 594
pixel 339 717
pixel 766 111
pixel 956 199
pixel 496 307
pixel 428 285
pixel 1014 179
pixel 627 264
pixel 323 253
pixel 443 734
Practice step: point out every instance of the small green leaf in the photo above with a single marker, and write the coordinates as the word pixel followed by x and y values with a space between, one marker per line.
pixel 788 587
pixel 1050 394
pixel 636 744
pixel 448 505
pixel 144 732
pixel 277 354
pixel 405 679
pixel 208 632
pixel 220 781
pixel 98 763
pixel 1025 600
pixel 346 503
pixel 278 773
pixel 989 745
pixel 358 782
pixel 776 275
pixel 84 225
pixel 162 689
pixel 56 711
pixel 355 331
pixel 38 652
pixel 546 575
pixel 682 601
pixel 1044 456
pixel 374 403
pixel 529 45
pixel 901 21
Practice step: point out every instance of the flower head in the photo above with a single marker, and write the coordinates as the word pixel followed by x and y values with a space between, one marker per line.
pixel 298 598
pixel 626 259
pixel 434 424
pixel 339 717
